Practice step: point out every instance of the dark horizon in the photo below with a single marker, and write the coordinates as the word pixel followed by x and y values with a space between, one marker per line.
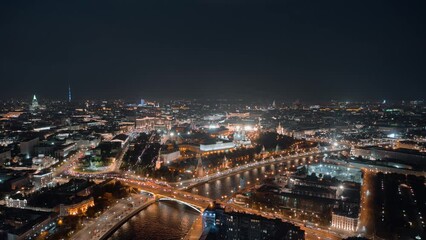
pixel 283 50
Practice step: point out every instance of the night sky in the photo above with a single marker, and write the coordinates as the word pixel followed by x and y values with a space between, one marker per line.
pixel 307 50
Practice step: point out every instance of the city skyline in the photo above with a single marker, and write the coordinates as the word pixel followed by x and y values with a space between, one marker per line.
pixel 213 120
pixel 275 103
pixel 193 168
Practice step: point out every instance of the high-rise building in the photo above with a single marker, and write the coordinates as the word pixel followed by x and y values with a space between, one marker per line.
pixel 34 104
pixel 69 93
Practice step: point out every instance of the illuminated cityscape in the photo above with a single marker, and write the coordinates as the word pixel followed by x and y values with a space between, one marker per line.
pixel 198 121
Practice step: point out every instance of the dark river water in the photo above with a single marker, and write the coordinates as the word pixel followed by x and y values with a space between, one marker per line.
pixel 161 220
pixel 219 188
pixel 171 220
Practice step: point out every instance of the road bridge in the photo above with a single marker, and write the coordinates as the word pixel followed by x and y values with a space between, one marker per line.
pixel 166 193
pixel 190 183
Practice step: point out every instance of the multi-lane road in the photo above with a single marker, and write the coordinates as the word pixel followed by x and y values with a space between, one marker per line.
pixel 97 228
pixel 367 214
pixel 67 163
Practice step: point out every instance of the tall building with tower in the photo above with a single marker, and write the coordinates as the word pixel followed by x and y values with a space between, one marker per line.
pixel 69 93
pixel 225 163
pixel 34 104
pixel 199 169
pixel 280 129
pixel 159 160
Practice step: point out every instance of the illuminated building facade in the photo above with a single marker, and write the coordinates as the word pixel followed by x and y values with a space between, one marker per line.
pixel 152 123
pixel 217 147
pixel 345 217
pixel 77 208
pixel 343 222
pixel 64 150
pixel 42 179
pixel 15 203
pixel 169 157
pixel 342 173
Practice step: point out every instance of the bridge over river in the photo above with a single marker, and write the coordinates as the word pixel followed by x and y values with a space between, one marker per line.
pixel 161 192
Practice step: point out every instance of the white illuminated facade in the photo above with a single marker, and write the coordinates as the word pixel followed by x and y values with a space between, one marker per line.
pixel 214 117
pixel 148 124
pixel 242 127
pixel 342 173
pixel 42 179
pixel 16 203
pixel 170 156
pixel 218 146
pixel 344 222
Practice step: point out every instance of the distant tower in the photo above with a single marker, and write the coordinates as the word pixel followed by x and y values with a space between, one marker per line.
pixel 263 152
pixel 200 169
pixel 273 104
pixel 69 93
pixel 34 103
pixel 225 162
pixel 159 161
pixel 277 148
pixel 280 129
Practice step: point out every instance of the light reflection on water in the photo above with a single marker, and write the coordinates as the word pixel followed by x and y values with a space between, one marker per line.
pixel 221 187
pixel 161 220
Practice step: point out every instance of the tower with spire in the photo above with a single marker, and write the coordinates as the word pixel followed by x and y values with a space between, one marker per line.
pixel 159 161
pixel 199 169
pixel 280 129
pixel 225 163
pixel 34 104
pixel 263 153
pixel 69 93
